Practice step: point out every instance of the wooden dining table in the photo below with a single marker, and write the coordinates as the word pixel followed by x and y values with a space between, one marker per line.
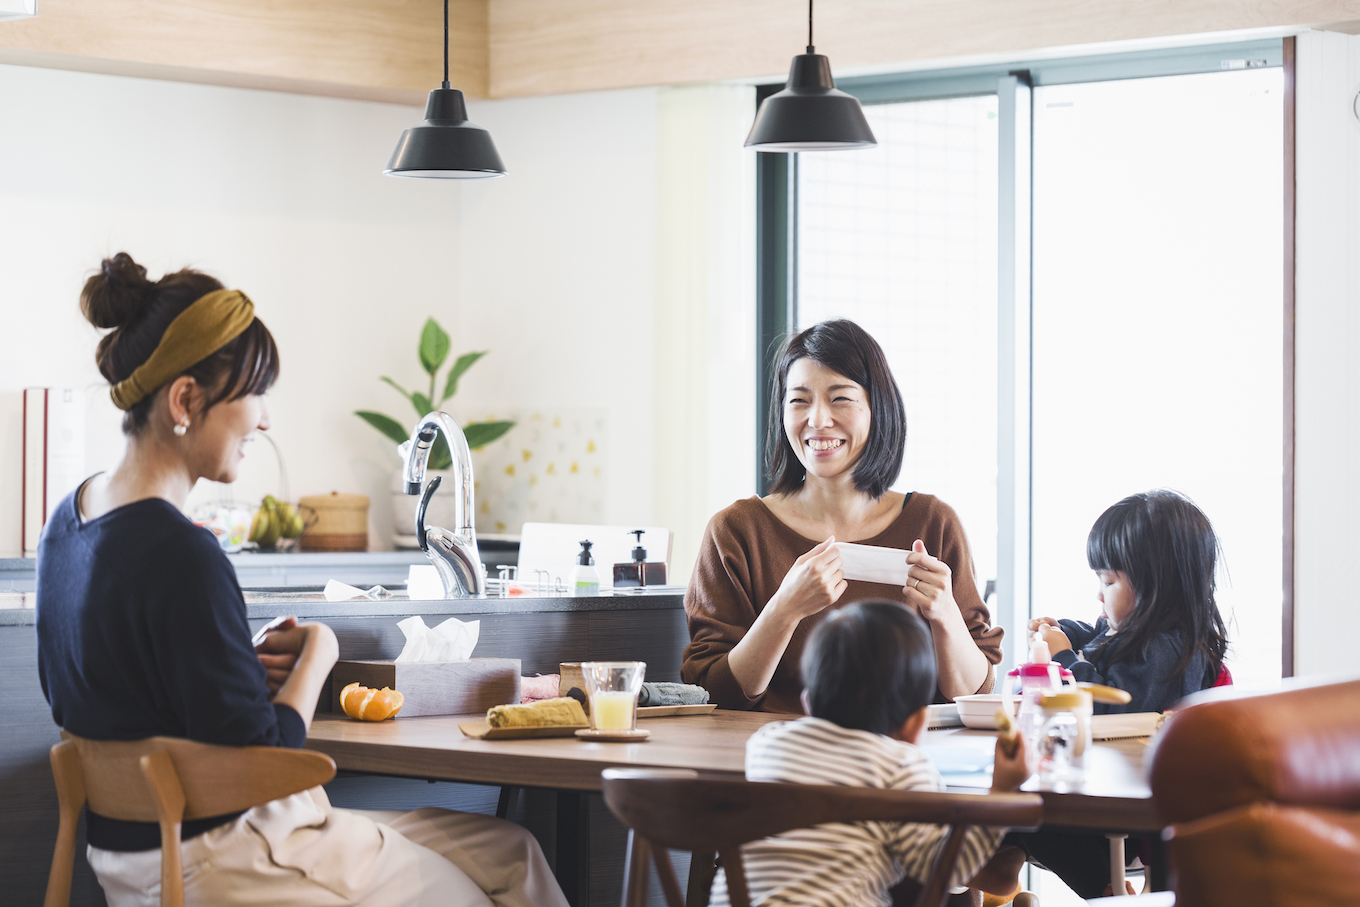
pixel 1113 798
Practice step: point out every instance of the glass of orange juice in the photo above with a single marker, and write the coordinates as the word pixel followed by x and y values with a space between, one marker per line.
pixel 613 688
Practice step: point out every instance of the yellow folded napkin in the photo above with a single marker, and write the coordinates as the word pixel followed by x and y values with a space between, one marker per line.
pixel 544 713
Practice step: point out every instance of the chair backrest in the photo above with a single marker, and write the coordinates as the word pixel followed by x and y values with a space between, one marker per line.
pixel 679 809
pixel 167 780
pixel 1262 796
pixel 1224 749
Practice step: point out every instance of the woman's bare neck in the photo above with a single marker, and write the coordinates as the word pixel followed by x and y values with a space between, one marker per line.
pixel 820 509
pixel 147 470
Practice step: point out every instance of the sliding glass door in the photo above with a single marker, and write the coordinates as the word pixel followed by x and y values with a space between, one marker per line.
pixel 1157 328
pixel 1137 225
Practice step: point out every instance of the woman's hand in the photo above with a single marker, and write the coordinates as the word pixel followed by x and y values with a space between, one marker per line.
pixel 930 584
pixel 813 583
pixel 315 649
pixel 279 651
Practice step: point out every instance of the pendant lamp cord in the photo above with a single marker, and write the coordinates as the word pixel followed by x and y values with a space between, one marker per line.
pixel 446 43
pixel 811 49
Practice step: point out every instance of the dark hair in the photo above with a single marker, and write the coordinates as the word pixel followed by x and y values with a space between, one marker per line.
pixel 139 310
pixel 869 666
pixel 846 349
pixel 1165 546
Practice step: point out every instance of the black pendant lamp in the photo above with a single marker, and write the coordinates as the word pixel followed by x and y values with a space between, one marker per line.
pixel 810 114
pixel 446 146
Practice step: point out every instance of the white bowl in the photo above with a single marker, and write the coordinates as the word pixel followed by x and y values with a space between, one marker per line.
pixel 979 710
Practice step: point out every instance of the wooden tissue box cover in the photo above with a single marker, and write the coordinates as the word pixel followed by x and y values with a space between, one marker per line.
pixel 436 688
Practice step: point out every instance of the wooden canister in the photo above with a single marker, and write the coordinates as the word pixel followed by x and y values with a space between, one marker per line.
pixel 336 522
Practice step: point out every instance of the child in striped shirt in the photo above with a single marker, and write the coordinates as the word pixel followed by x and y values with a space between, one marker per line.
pixel 869 670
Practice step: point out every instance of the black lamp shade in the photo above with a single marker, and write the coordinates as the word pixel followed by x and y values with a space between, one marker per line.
pixel 810 114
pixel 446 145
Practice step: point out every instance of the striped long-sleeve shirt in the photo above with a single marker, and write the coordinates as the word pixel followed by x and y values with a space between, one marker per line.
pixel 845 863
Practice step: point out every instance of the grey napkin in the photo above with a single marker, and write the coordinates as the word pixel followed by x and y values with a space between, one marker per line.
pixel 662 693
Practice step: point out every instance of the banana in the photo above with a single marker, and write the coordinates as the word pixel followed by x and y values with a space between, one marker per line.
pixel 264 529
pixel 289 520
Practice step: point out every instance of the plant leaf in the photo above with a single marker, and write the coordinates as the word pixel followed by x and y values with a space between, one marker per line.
pixel 460 365
pixel 422 404
pixel 440 457
pixel 480 434
pixel 385 424
pixel 434 346
pixel 399 389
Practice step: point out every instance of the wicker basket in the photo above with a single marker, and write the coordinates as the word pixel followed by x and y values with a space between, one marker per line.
pixel 339 522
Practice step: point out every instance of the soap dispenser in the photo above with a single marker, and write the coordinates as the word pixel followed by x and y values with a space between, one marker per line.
pixel 639 572
pixel 584 580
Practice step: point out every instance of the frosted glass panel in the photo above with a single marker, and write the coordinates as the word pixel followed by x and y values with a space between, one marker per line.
pixel 1158 328
pixel 902 239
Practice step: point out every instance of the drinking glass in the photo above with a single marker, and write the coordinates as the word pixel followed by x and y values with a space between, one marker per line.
pixel 613 688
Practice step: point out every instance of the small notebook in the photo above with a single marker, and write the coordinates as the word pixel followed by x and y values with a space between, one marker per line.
pixel 1125 726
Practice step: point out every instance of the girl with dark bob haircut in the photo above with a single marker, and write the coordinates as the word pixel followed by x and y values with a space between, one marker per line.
pixel 142 632
pixel 847 349
pixel 1160 635
pixel 770 569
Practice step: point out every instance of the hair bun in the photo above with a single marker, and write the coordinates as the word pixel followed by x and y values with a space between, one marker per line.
pixel 115 295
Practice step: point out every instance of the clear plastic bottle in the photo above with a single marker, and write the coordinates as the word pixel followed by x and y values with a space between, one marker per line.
pixel 1037 678
pixel 1063 738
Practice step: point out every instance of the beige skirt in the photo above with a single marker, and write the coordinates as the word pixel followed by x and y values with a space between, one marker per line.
pixel 301 851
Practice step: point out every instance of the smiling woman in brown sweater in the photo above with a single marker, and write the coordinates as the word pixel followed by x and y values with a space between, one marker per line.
pixel 763 582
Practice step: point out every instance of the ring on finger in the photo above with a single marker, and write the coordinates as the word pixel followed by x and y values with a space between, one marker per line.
pixel 915 583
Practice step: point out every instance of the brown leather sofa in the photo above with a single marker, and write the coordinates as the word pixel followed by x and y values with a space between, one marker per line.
pixel 1262 797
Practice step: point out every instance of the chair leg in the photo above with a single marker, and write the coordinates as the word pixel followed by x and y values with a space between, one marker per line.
pixel 670 885
pixel 1116 864
pixel 160 774
pixel 738 895
pixel 70 801
pixel 936 890
pixel 703 866
pixel 635 871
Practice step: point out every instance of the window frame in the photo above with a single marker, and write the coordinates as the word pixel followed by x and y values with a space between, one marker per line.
pixel 777 268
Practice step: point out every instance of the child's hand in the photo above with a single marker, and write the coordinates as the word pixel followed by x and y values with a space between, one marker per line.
pixel 1036 622
pixel 1057 640
pixel 1009 772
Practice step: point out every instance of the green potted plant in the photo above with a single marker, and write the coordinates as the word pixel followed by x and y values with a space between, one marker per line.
pixel 434 352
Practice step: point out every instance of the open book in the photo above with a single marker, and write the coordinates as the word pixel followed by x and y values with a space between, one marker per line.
pixel 1125 726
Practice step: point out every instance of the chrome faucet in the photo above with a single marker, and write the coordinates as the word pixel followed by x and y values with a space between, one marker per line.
pixel 454 554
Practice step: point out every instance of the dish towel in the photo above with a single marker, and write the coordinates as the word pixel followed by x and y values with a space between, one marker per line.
pixel 662 693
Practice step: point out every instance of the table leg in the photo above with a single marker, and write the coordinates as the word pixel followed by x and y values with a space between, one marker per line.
pixel 573 847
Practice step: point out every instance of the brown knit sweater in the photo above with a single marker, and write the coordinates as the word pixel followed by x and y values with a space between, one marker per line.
pixel 745 554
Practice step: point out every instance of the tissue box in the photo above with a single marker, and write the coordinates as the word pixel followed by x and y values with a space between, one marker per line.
pixel 435 688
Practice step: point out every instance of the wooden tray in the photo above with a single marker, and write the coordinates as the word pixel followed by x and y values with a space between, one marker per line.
pixel 480 730
pixel 666 711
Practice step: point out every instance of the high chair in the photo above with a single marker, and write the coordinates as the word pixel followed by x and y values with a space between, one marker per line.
pixel 167 780
pixel 678 809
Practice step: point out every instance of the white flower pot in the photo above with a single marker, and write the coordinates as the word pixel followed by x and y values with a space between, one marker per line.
pixel 404 507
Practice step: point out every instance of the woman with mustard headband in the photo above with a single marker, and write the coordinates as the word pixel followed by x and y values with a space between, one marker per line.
pixel 142 632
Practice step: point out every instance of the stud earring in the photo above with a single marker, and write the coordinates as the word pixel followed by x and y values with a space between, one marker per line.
pixel 182 428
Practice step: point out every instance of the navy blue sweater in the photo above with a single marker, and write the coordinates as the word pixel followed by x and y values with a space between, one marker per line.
pixel 1146 676
pixel 142 632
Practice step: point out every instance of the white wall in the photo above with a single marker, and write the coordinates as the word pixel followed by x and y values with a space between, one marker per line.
pixel 280 195
pixel 554 270
pixel 1327 372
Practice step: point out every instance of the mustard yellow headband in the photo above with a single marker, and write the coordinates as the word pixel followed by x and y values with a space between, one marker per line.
pixel 207 325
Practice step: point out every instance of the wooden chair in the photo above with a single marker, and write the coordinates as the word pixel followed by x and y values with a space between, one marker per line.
pixel 167 780
pixel 679 809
